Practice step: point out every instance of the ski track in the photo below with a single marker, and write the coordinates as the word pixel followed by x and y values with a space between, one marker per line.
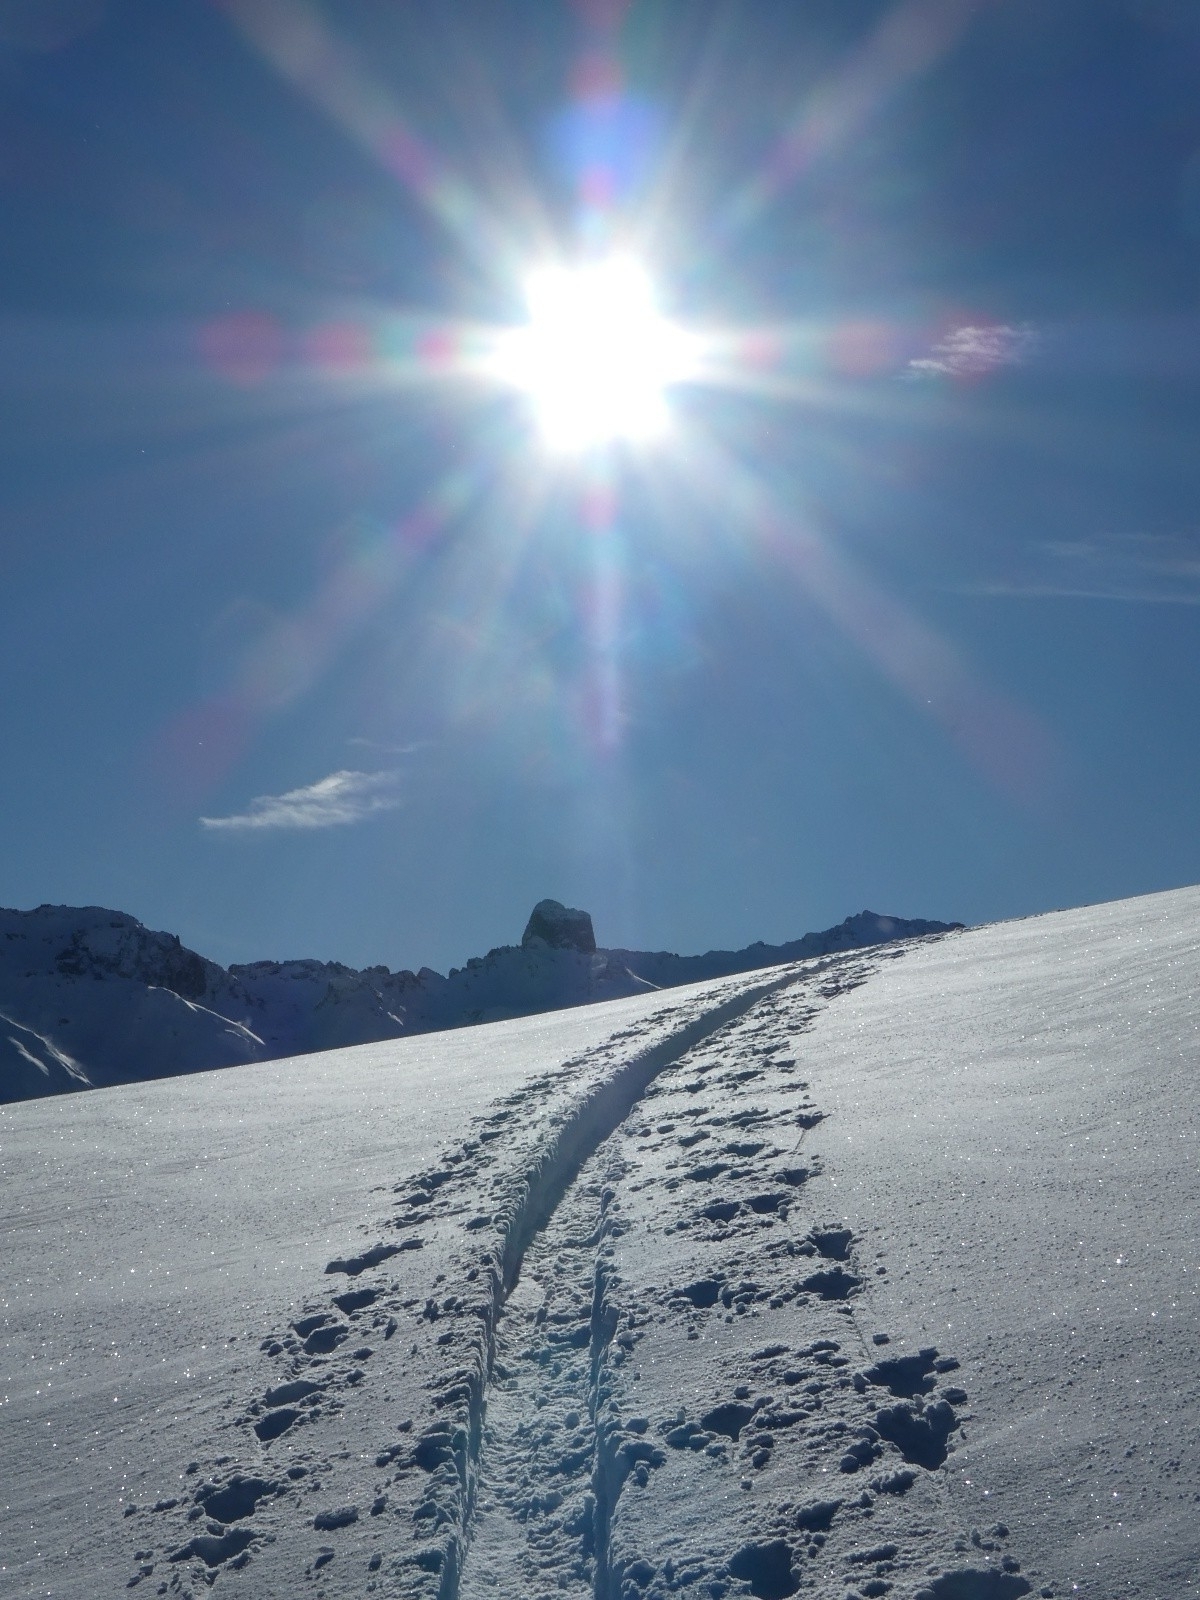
pixel 598 1418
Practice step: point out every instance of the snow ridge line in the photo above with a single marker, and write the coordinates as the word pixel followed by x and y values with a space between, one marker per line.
pixel 546 1180
pixel 69 1065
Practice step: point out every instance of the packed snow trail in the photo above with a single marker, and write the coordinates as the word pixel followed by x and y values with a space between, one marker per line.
pixel 534 1522
pixel 634 1446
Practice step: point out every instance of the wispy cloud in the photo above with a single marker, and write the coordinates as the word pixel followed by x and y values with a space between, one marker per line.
pixel 1140 568
pixel 974 350
pixel 332 802
pixel 388 749
pixel 1004 588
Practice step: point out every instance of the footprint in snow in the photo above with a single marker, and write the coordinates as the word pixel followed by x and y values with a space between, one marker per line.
pixel 832 1243
pixel 834 1284
pixel 356 1300
pixel 973 1584
pixel 276 1422
pixel 352 1266
pixel 920 1433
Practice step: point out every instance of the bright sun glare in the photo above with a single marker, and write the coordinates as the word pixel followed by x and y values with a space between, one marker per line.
pixel 596 356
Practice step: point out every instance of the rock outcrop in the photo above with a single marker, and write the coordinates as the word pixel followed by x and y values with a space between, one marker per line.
pixel 558 927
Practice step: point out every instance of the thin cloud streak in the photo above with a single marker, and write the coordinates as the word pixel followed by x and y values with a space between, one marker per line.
pixel 389 749
pixel 336 801
pixel 1005 590
pixel 973 350
pixel 1138 568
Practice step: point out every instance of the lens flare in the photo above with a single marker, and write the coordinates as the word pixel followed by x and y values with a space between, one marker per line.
pixel 596 356
pixel 595 363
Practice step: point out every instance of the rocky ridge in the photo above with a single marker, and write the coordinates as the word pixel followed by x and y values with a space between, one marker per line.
pixel 90 997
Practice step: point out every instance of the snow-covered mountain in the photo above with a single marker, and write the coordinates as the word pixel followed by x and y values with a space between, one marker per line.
pixel 871 1275
pixel 90 997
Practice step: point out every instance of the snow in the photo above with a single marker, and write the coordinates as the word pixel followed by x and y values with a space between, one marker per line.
pixel 1048 1122
pixel 872 1274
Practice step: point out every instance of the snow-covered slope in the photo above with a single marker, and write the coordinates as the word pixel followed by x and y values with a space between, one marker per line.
pixel 872 1275
pixel 90 997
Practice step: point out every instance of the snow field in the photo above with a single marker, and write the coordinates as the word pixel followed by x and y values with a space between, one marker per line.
pixel 871 1276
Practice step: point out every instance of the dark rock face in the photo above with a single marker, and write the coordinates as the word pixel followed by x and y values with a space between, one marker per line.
pixel 560 927
pixel 111 944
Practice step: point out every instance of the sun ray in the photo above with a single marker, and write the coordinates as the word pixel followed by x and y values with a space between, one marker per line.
pixel 1002 740
pixel 198 747
pixel 294 38
pixel 908 41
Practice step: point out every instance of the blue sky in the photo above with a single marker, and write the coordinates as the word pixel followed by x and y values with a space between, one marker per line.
pixel 308 646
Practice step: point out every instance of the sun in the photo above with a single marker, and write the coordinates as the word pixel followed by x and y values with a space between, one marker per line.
pixel 596 357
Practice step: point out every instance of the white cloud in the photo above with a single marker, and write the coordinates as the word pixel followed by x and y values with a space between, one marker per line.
pixel 341 798
pixel 973 350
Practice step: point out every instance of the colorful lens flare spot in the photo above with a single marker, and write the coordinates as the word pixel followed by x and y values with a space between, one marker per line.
pixel 243 347
pixel 339 347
